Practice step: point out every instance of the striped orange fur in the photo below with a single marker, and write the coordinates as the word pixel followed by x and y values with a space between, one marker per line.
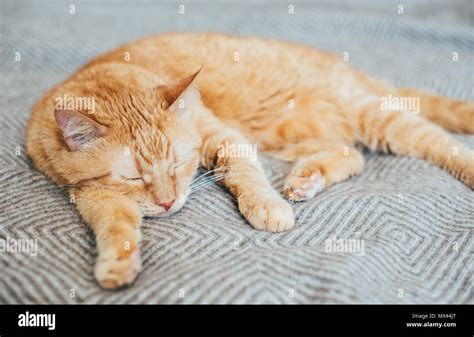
pixel 156 118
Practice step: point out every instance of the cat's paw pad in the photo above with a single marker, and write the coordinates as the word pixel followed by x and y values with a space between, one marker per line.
pixel 114 272
pixel 303 188
pixel 267 212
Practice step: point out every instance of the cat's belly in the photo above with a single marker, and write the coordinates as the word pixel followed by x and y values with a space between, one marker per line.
pixel 275 130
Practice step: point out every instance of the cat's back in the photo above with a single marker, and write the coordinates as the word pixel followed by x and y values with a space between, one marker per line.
pixel 181 52
pixel 238 71
pixel 256 84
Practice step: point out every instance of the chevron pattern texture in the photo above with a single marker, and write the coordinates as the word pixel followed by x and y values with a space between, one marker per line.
pixel 414 220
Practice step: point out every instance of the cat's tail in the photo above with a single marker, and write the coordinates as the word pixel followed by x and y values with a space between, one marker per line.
pixel 453 115
pixel 406 133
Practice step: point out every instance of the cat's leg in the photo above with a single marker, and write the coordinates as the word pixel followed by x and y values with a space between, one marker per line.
pixel 318 166
pixel 115 220
pixel 243 175
pixel 408 134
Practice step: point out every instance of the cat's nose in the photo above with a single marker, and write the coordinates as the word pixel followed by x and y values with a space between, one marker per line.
pixel 166 205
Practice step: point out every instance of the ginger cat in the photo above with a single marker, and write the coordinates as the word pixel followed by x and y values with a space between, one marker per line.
pixel 156 118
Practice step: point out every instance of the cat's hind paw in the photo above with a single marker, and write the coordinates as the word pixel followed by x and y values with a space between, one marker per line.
pixel 299 188
pixel 114 272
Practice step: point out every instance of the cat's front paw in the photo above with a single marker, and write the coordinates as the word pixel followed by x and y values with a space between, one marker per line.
pixel 267 211
pixel 112 271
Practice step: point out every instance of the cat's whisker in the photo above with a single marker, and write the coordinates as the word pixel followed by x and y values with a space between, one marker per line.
pixel 214 177
pixel 202 176
pixel 213 171
pixel 217 176
pixel 207 182
pixel 211 181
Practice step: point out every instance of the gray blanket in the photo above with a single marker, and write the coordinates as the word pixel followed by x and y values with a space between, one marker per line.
pixel 401 232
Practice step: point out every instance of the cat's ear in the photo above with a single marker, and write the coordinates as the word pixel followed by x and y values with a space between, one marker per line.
pixel 173 91
pixel 78 130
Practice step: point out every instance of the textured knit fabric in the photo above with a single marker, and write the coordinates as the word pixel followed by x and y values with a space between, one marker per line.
pixel 413 220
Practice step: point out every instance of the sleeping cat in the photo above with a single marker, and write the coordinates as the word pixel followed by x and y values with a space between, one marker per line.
pixel 164 105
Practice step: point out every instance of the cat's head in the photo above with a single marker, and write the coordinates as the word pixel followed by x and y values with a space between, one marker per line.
pixel 140 143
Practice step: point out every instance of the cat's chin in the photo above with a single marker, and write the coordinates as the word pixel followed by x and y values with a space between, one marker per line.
pixel 160 214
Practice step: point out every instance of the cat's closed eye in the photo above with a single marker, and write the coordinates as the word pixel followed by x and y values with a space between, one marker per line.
pixel 133 179
pixel 176 166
